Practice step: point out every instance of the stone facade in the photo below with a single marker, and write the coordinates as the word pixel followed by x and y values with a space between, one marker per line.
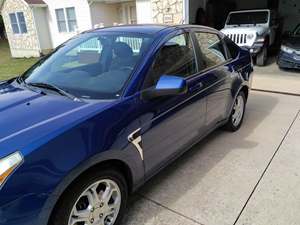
pixel 21 45
pixel 167 11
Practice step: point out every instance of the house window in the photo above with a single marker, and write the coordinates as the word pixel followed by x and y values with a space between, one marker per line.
pixel 18 23
pixel 66 19
pixel 71 17
pixel 61 20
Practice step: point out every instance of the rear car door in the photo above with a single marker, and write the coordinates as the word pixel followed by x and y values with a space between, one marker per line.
pixel 216 76
pixel 171 124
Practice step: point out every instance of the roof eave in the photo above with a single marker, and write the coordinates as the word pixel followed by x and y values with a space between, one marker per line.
pixel 38 5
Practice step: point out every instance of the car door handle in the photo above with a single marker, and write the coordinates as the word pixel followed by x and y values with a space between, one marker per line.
pixel 197 87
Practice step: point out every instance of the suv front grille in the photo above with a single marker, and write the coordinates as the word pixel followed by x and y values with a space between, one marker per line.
pixel 238 38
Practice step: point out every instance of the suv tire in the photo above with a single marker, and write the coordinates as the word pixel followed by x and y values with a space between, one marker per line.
pixel 262 56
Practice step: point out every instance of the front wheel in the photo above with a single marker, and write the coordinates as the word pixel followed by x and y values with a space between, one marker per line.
pixel 237 115
pixel 98 198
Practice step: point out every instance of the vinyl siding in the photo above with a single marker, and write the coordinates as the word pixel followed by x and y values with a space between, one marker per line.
pixel 83 17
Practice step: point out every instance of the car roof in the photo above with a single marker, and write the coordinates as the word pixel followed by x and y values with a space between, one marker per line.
pixel 150 29
pixel 137 28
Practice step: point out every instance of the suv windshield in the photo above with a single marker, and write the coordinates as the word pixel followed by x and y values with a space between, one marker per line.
pixel 92 65
pixel 239 18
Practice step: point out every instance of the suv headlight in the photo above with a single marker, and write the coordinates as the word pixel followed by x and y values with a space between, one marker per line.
pixel 287 49
pixel 8 165
pixel 250 36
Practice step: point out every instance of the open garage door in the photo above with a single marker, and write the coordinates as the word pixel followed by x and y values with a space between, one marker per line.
pixel 278 56
pixel 214 12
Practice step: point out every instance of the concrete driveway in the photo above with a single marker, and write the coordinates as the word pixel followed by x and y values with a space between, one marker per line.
pixel 271 78
pixel 248 177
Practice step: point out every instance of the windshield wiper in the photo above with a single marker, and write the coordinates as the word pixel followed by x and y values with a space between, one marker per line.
pixel 54 88
pixel 20 80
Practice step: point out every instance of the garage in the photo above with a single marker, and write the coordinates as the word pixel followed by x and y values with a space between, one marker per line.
pixel 285 18
pixel 217 11
pixel 283 22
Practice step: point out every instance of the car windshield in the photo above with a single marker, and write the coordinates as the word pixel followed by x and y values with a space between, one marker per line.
pixel 91 65
pixel 240 18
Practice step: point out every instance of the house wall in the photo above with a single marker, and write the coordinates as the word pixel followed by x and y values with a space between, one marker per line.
pixel 167 11
pixel 104 13
pixel 83 16
pixel 21 45
pixel 128 17
pixel 144 11
pixel 40 16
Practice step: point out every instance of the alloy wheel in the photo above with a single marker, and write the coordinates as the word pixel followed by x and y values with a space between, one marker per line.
pixel 238 111
pixel 99 204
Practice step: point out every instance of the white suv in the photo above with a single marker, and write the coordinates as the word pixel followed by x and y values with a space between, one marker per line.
pixel 253 29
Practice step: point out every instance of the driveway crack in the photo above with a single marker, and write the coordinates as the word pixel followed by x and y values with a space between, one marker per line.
pixel 169 209
pixel 267 167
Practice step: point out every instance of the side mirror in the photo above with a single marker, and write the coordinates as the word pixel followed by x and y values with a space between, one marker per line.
pixel 167 86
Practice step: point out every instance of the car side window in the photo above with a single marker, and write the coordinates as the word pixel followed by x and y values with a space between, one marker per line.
pixel 233 49
pixel 176 57
pixel 212 49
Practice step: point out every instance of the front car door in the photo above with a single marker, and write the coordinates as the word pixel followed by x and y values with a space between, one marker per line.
pixel 171 124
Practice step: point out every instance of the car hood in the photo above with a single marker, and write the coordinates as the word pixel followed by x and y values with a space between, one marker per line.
pixel 292 42
pixel 247 30
pixel 27 117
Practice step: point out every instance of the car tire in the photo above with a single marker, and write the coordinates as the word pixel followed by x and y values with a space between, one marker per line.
pixel 236 117
pixel 262 57
pixel 81 202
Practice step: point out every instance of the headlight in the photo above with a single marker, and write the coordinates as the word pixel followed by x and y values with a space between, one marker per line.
pixel 8 165
pixel 287 49
pixel 250 36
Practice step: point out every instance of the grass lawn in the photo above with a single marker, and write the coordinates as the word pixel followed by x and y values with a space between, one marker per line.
pixel 10 67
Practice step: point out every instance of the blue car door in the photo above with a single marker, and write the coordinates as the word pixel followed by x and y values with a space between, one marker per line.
pixel 217 76
pixel 172 123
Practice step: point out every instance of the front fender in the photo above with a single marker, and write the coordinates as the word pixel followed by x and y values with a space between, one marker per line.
pixel 48 169
pixel 128 156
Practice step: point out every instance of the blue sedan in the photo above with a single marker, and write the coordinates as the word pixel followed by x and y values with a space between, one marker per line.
pixel 104 112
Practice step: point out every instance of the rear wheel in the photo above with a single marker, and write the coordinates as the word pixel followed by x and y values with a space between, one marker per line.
pixel 262 57
pixel 237 115
pixel 97 199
